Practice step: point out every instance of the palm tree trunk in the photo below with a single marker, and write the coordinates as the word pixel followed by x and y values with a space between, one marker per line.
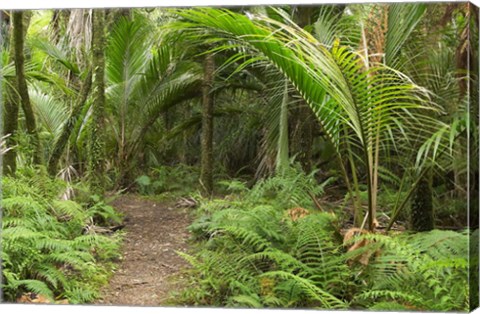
pixel 206 173
pixel 182 150
pixel 421 216
pixel 97 143
pixel 19 32
pixel 67 129
pixel 114 15
pixel 302 137
pixel 283 146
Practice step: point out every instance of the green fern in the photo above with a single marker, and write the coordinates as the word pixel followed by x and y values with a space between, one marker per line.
pixel 252 255
pixel 43 248
pixel 35 286
pixel 291 188
pixel 310 290
pixel 424 271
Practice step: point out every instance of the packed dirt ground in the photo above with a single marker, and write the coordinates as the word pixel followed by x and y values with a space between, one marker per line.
pixel 154 231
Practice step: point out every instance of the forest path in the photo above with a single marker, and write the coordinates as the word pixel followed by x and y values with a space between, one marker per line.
pixel 154 231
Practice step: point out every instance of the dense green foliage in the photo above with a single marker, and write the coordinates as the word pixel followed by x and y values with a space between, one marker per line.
pixel 180 180
pixel 253 253
pixel 45 248
pixel 424 271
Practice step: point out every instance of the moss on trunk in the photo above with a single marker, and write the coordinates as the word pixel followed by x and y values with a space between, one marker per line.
pixel 206 176
pixel 10 113
pixel 19 32
pixel 97 135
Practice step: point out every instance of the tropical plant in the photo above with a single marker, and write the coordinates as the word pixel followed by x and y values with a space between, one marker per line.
pixel 365 108
pixel 143 81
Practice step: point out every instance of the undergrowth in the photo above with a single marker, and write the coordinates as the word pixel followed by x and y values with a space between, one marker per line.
pixel 423 271
pixel 44 247
pixel 252 252
pixel 180 179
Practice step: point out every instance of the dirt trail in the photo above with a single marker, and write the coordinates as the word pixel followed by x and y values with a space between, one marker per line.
pixel 154 232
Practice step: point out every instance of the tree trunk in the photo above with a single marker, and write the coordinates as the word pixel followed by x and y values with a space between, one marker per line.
pixel 421 216
pixel 19 32
pixel 182 151
pixel 282 161
pixel 114 15
pixel 67 129
pixel 303 15
pixel 206 174
pixel 10 117
pixel 97 143
pixel 302 136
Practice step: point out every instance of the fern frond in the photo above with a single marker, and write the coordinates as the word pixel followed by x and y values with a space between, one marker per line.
pixel 243 237
pixel 327 300
pixel 282 259
pixel 52 275
pixel 80 295
pixel 16 233
pixel 77 259
pixel 397 296
pixel 251 301
pixel 36 286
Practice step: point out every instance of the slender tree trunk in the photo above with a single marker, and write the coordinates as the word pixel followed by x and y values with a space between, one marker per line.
pixel 58 24
pixel 182 151
pixel 302 137
pixel 421 216
pixel 55 25
pixel 283 144
pixel 19 33
pixel 10 117
pixel 206 176
pixel 114 15
pixel 67 129
pixel 97 144
pixel 303 15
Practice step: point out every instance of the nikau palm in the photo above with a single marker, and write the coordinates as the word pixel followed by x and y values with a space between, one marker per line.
pixel 143 81
pixel 369 109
